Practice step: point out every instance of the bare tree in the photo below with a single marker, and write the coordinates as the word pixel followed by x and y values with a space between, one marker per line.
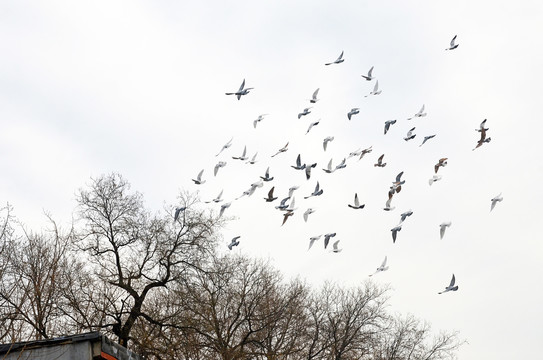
pixel 137 252
pixel 32 279
pixel 408 338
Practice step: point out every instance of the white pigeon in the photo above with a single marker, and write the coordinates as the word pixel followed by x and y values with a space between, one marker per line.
pixel 242 91
pixel 442 228
pixel 226 146
pixel 336 249
pixel 369 77
pixel 421 113
pixel 307 213
pixel 451 287
pixel 318 191
pixel 198 180
pixel 253 159
pixel 381 268
pixel 292 206
pixel 376 90
pixel 338 60
pixel 258 119
pixel 217 199
pixel 354 153
pixel 434 179
pixel 292 189
pixel 282 150
pixel 387 205
pixel 312 240
pixel 311 126
pixel 329 169
pixel 314 97
pixel 326 141
pixel 494 200
pixel 219 165
pixel 243 156
pixel 452 45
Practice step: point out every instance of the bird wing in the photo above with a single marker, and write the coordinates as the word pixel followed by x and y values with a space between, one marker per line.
pixel 356 202
pixel 270 193
pixel 315 94
pixel 384 262
pixel 452 281
pixel 442 231
pixel 335 245
pixel 242 86
pixel 376 87
pixel 199 177
pixel 369 72
pixel 340 56
pixel 398 177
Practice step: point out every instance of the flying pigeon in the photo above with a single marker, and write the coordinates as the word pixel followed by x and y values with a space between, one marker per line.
pixel 329 168
pixel 387 205
pixel 219 165
pixel 369 77
pixel 342 164
pixel 483 138
pixel 224 207
pixel 380 162
pixel 364 152
pixel 243 156
pixel 242 91
pixel 226 146
pixel 383 267
pixel 199 180
pixel 410 135
pixel 494 200
pixel 441 163
pixel 338 60
pixel 307 213
pixel 298 165
pixel 426 138
pixel 270 197
pixel 442 228
pixel 421 113
pixel 316 192
pixel 306 111
pixel 258 119
pixel 353 111
pixel 253 159
pixel 283 149
pixel 327 239
pixel 266 176
pixel 356 203
pixel 451 287
pixel 178 211
pixel 388 123
pixel 395 232
pixel 286 216
pixel 234 242
pixel 314 97
pixel 376 90
pixel 312 240
pixel 326 141
pixel 218 199
pixel 452 45
pixel 336 249
pixel 311 126
pixel 434 179
pixel 283 205
pixel 404 215
pixel 291 190
pixel 308 170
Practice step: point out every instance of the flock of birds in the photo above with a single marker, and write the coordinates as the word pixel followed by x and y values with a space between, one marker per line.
pixel 287 204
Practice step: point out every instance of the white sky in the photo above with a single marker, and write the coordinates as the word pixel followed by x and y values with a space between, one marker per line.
pixel 135 87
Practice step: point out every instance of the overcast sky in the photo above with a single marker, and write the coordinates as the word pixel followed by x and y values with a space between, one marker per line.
pixel 138 88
